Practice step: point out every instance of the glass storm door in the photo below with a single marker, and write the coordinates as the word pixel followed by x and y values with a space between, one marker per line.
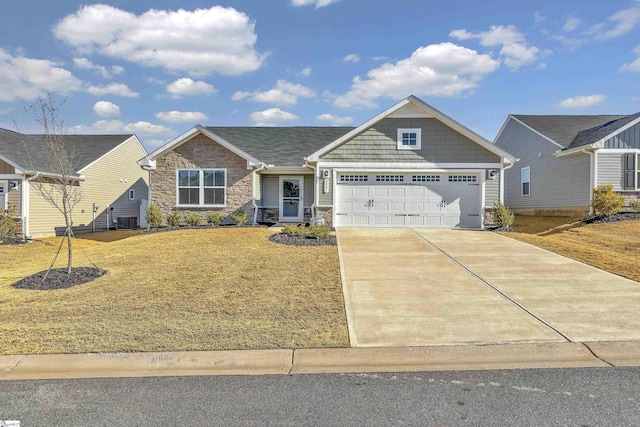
pixel 291 199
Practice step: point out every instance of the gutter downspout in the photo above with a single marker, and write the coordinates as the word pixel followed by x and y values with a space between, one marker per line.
pixel 315 187
pixel 254 174
pixel 504 168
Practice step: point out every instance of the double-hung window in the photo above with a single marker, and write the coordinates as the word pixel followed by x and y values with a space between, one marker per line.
pixel 525 175
pixel 202 187
pixel 409 139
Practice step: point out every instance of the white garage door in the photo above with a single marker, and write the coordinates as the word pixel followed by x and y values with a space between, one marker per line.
pixel 408 200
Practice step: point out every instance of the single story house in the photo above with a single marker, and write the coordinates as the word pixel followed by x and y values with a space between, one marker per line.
pixel 563 157
pixel 411 165
pixel 113 186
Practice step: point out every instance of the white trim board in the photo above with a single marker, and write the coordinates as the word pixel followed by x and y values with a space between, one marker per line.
pixel 409 166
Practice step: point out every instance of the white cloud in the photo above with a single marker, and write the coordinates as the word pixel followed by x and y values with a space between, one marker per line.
pixel 617 24
pixel 570 42
pixel 283 93
pixel 515 49
pixel 117 89
pixel 272 116
pixel 116 126
pixel 305 72
pixel 581 101
pixel 635 98
pixel 199 42
pixel 27 78
pixel 335 120
pixel 538 17
pixel 443 69
pixel 352 57
pixel 635 65
pixel 188 87
pixel 86 64
pixel 106 109
pixel 571 24
pixel 380 58
pixel 317 3
pixel 182 116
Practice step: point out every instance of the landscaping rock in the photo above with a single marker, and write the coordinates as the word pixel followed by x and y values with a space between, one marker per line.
pixel 288 239
pixel 622 216
pixel 59 279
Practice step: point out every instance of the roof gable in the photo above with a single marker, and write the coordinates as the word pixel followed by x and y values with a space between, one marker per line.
pixel 605 131
pixel 413 107
pixel 31 153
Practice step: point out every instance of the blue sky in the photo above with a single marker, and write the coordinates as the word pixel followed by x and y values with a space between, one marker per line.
pixel 158 68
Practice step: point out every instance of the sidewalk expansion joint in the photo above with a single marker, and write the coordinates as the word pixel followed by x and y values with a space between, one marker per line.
pixel 598 357
pixel 495 289
pixel 293 355
pixel 16 365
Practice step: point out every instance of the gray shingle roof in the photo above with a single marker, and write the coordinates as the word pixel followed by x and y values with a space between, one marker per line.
pixel 30 152
pixel 565 129
pixel 595 134
pixel 280 146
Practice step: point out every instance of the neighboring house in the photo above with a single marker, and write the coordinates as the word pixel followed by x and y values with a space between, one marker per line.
pixel 409 166
pixel 113 186
pixel 562 158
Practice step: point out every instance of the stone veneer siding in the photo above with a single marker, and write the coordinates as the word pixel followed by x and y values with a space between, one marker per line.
pixel 200 152
pixel 326 213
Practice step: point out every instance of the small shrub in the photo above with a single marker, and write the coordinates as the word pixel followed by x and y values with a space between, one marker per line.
pixel 215 218
pixel 635 205
pixel 320 231
pixel 153 216
pixel 606 201
pixel 239 217
pixel 294 229
pixel 502 215
pixel 192 219
pixel 8 225
pixel 174 219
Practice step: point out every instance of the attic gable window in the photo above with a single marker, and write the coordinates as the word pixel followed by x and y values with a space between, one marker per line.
pixel 202 187
pixel 409 139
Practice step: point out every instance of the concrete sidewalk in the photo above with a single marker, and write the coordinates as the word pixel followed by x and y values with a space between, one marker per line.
pixel 334 360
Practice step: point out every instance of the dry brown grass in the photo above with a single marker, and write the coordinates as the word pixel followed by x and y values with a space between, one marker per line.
pixel 613 247
pixel 185 290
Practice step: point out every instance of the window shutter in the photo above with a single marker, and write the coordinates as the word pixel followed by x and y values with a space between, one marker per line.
pixel 629 171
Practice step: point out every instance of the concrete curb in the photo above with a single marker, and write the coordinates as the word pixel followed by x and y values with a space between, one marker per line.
pixel 328 360
pixel 103 365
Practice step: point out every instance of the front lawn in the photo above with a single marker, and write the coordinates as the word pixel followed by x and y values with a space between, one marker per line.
pixel 219 289
pixel 614 247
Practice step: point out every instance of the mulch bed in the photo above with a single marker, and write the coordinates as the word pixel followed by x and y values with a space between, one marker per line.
pixel 59 279
pixel 164 229
pixel 14 241
pixel 289 239
pixel 496 229
pixel 622 216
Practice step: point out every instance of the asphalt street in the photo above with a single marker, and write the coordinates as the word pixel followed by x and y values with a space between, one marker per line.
pixel 576 397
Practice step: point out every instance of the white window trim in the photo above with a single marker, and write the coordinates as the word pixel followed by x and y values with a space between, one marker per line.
pixel 5 194
pixel 522 181
pixel 132 194
pixel 418 133
pixel 637 175
pixel 201 188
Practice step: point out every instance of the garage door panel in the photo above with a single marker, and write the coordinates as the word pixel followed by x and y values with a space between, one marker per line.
pixel 411 203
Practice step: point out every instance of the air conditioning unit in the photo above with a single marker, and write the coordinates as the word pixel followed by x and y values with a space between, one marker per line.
pixel 127 223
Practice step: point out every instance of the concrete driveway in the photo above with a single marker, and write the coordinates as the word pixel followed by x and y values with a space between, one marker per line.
pixel 414 287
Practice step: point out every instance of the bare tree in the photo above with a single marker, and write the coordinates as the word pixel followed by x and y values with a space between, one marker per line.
pixel 58 183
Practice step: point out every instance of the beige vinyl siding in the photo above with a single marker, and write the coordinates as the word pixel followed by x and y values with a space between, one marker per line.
pixel 492 191
pixel 107 182
pixel 439 144
pixel 6 168
pixel 610 169
pixel 14 198
pixel 271 191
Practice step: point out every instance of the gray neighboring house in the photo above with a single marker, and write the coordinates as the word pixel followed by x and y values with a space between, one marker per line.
pixel 562 158
pixel 113 185
pixel 409 166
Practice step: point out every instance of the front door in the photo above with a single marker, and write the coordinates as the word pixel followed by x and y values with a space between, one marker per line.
pixel 291 203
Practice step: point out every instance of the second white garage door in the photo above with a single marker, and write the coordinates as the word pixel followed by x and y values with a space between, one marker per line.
pixel 408 200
